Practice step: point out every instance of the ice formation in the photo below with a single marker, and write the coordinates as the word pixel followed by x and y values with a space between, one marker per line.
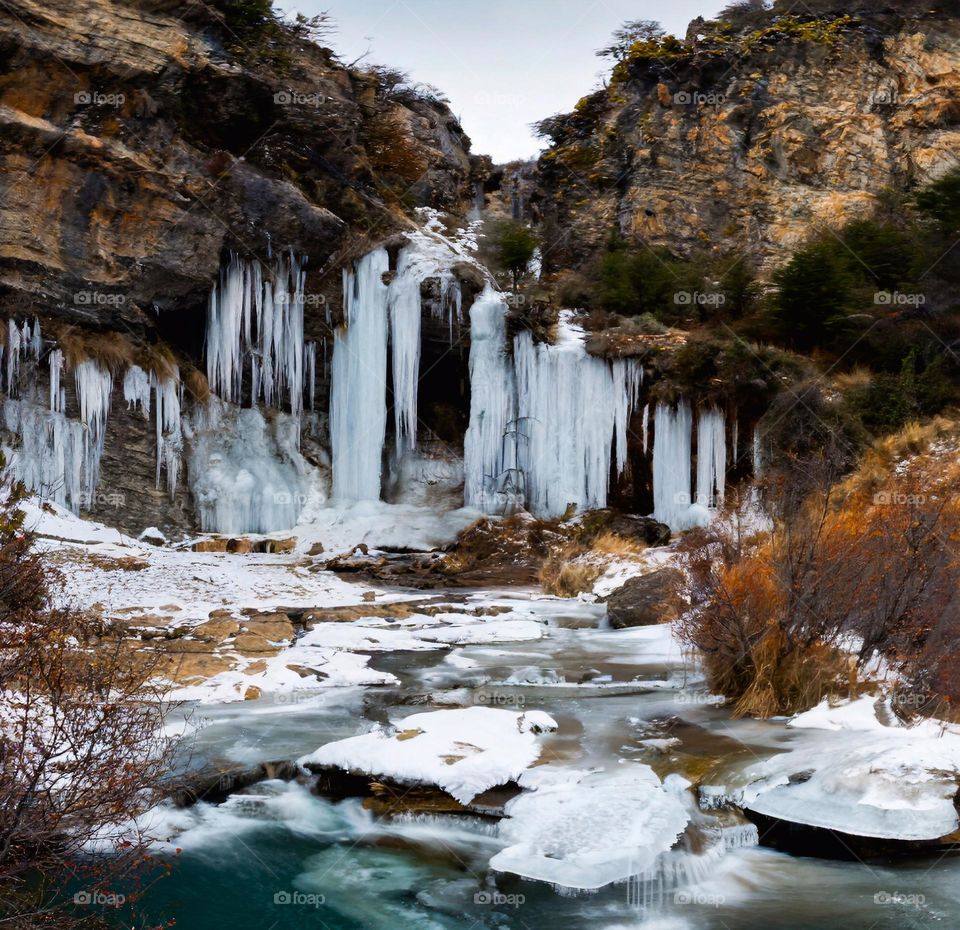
pixel 378 315
pixel 246 473
pixel 138 386
pixel 711 458
pixel 573 409
pixel 672 448
pixel 169 431
pixel 58 457
pixel 136 389
pixel 260 319
pixel 852 772
pixel 94 387
pixel 579 835
pixel 358 405
pixel 673 465
pixel 488 455
pixel 58 400
pixel 22 342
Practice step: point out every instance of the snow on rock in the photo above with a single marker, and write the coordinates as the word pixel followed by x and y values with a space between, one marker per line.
pixel 854 773
pixel 583 831
pixel 465 751
pixel 292 671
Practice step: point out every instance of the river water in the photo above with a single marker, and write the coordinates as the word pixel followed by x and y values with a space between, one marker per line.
pixel 276 856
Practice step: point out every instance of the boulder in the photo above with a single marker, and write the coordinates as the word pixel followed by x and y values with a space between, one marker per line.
pixel 647 600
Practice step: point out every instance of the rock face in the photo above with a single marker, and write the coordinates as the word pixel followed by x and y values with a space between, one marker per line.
pixel 740 142
pixel 144 139
pixel 646 600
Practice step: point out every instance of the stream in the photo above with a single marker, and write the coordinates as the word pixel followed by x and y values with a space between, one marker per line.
pixel 276 856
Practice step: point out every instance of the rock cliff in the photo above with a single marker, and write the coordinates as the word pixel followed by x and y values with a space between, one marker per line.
pixel 750 139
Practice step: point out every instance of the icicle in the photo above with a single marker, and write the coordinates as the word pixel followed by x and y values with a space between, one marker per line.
pixel 757 455
pixel 711 458
pixel 358 408
pixel 36 341
pixel 51 455
pixel 404 301
pixel 94 387
pixel 487 455
pixel 136 389
pixel 671 464
pixel 310 350
pixel 646 428
pixel 573 408
pixel 55 361
pixel 13 356
pixel 169 435
pixel 240 298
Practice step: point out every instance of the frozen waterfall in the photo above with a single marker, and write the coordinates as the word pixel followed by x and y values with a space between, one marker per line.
pixel 573 410
pixel 672 448
pixel 378 315
pixel 274 345
pixel 246 472
pixel 711 458
pixel 489 461
pixel 358 389
pixel 672 465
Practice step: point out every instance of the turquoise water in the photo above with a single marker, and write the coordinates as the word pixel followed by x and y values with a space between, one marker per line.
pixel 277 857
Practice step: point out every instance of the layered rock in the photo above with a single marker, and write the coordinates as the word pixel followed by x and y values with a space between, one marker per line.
pixel 144 140
pixel 752 141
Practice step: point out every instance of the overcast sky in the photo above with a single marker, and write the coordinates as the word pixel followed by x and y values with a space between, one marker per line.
pixel 502 63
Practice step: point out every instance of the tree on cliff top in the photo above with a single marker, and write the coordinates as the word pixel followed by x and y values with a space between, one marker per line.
pixel 628 35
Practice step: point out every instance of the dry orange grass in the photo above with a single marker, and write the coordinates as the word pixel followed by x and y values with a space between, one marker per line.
pixel 567 579
pixel 618 546
pixel 110 350
pixel 197 385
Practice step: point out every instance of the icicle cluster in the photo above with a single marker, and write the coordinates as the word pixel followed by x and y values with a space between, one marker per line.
pixel 673 463
pixel 378 317
pixel 573 410
pixel 358 406
pixel 94 387
pixel 543 430
pixel 262 320
pixel 22 342
pixel 137 389
pixel 59 458
pixel 711 458
pixel 246 474
pixel 58 395
pixel 489 459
